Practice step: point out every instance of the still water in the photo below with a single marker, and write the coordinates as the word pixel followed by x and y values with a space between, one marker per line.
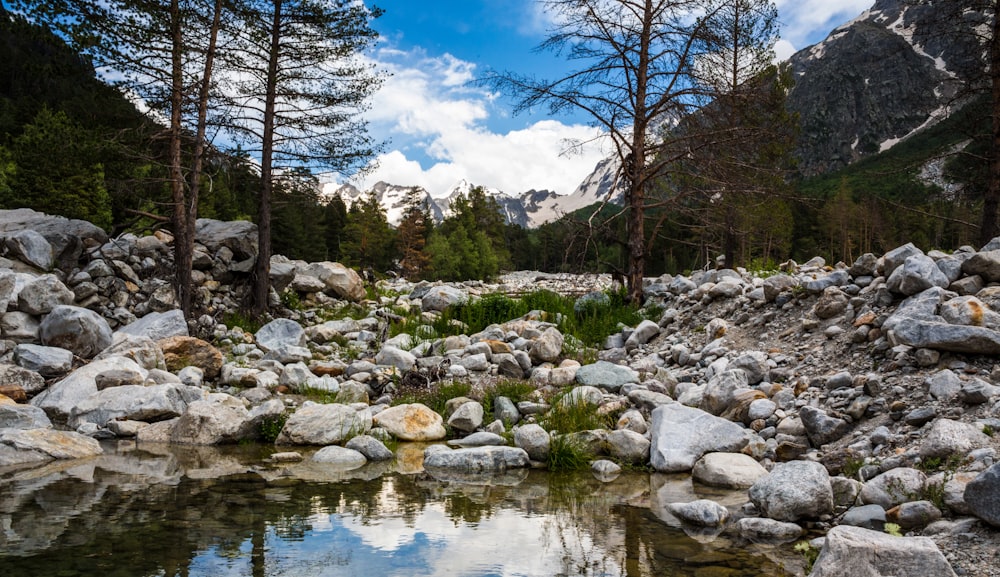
pixel 193 511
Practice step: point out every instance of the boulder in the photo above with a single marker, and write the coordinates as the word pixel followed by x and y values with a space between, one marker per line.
pixel 134 402
pixel 606 375
pixel 546 347
pixel 681 435
pixel 338 280
pixel 182 351
pixel 534 440
pixel 439 298
pixel 217 419
pixel 50 443
pixel 982 495
pixel 372 448
pixel 30 247
pixel 642 334
pixel 918 273
pixel 720 392
pixel 413 422
pixel 917 324
pixel 477 459
pixel 701 512
pixel 46 361
pixel 79 330
pixel 794 490
pixel 969 311
pixel 279 333
pixel 628 446
pixel 730 470
pixel 759 530
pixel 393 357
pixel 340 457
pixel 239 236
pixel 66 236
pixel 59 400
pixel 158 325
pixel 13 416
pixel 985 264
pixel 323 424
pixel 893 487
pixel 862 552
pixel 467 417
pixel 43 294
pixel 822 428
pixel 947 438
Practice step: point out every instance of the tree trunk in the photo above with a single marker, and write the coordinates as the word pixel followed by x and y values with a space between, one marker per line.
pixel 183 234
pixel 262 268
pixel 991 202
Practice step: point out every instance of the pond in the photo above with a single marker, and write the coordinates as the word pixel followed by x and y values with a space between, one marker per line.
pixel 195 511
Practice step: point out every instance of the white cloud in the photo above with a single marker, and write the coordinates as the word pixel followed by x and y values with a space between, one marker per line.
pixel 802 19
pixel 436 118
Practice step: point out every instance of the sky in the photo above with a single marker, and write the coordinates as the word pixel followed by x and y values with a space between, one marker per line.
pixel 441 127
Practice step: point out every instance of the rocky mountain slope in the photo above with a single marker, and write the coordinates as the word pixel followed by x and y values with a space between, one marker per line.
pixel 830 399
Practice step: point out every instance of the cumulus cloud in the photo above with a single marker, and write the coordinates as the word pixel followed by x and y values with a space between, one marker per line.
pixel 439 125
pixel 803 20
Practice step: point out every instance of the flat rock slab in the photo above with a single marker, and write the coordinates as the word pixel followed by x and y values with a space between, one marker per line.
pixel 681 435
pixel 477 459
pixel 863 552
pixel 55 444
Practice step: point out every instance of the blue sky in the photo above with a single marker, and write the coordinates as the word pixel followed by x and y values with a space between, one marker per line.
pixel 441 127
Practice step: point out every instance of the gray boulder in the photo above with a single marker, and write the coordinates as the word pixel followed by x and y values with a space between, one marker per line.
pixel 948 437
pixel 897 256
pixel 239 236
pixel 467 417
pixel 822 428
pixel 31 248
pixel 642 334
pixel 66 236
pixel 280 333
pixel 917 324
pixel 49 444
pixel 721 391
pixel 340 457
pixel 893 487
pixel 862 552
pixel 59 400
pixel 918 273
pixel 606 375
pixel 328 424
pixel 372 448
pixel 794 490
pixel 628 446
pixel 46 361
pixel 217 419
pixel 393 357
pixel 158 325
pixel 441 297
pixel 547 347
pixel 759 530
pixel 134 402
pixel 985 264
pixel 681 435
pixel 982 495
pixel 534 440
pixel 14 416
pixel 701 512
pixel 730 470
pixel 43 294
pixel 338 280
pixel 76 329
pixel 477 459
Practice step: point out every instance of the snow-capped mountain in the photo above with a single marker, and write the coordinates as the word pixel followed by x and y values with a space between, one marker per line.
pixel 393 198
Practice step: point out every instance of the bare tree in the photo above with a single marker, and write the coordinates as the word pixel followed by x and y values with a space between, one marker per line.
pixel 642 69
pixel 162 51
pixel 300 86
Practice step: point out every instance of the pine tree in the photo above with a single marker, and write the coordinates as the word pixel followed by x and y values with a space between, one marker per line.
pixel 411 235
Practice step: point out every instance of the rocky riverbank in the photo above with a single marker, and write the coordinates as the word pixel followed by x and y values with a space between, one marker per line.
pixel 848 400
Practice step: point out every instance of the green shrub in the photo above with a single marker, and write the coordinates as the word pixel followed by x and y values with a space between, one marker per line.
pixel 435 397
pixel 574 417
pixel 270 427
pixel 565 454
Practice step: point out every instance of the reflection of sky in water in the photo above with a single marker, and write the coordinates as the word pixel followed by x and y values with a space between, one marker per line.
pixel 510 542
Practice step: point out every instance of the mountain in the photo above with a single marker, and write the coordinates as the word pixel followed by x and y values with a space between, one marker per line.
pixel 393 198
pixel 897 68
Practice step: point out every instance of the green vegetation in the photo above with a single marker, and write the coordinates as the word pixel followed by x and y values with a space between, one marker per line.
pixel 436 396
pixel 894 529
pixel 516 391
pixel 808 552
pixel 565 417
pixel 566 454
pixel 271 427
pixel 243 320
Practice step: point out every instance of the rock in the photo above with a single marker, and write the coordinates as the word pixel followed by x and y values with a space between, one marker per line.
pixel 628 446
pixel 479 439
pixel 30 247
pixel 142 350
pixel 897 256
pixel 158 325
pixel 862 552
pixel 393 357
pixel 730 470
pixel 777 284
pixel 913 515
pixel 865 265
pixel 467 417
pixel 582 395
pixel 547 347
pixel 969 311
pixel 59 400
pixel 134 402
pixel 642 334
pixel 918 273
pixel 413 422
pixel 180 352
pixel 76 329
pixel 917 324
pixel 372 448
pixel 19 327
pixel 866 516
pixel 534 440
pixel 833 302
pixel 754 364
pixel 893 487
pixel 822 428
pixel 441 297
pixel 794 490
pixel 506 411
pixel 339 280
pixel 606 375
pixel 217 419
pixel 51 443
pixel 759 530
pixel 46 361
pixel 681 435
pixel 13 416
pixel 605 470
pixel 316 424
pixel 985 264
pixel 477 459
pixel 279 333
pixel 66 236
pixel 239 236
pixel 944 385
pixel 42 295
pixel 982 495
pixel 340 457
pixel 720 393
pixel 947 438
pixel 701 512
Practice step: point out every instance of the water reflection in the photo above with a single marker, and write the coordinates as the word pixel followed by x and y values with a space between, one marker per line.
pixel 167 511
